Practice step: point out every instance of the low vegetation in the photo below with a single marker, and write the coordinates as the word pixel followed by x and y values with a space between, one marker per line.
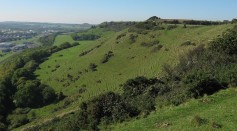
pixel 48 40
pixel 193 77
pixel 107 56
pixel 83 37
pixel 106 93
pixel 20 89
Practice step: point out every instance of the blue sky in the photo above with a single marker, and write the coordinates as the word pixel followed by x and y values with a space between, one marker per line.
pixel 97 11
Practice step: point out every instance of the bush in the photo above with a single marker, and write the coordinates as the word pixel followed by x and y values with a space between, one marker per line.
pixel 153 43
pixel 17 120
pixel 133 38
pixel 226 44
pixel 65 45
pixel 170 27
pixel 107 108
pixel 197 121
pixel 3 127
pixel 82 37
pixel 201 83
pixel 107 56
pixel 92 67
pixel 137 86
pixel 188 43
pixel 48 40
pixel 33 94
pixel 75 44
pixel 157 48
pixel 120 36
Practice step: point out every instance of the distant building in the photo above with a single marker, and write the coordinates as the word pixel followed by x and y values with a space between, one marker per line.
pixel 6 50
pixel 6 45
pixel 19 47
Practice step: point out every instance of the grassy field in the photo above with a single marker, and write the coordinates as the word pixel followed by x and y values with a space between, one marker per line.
pixel 63 38
pixel 205 114
pixel 4 56
pixel 69 73
pixel 33 40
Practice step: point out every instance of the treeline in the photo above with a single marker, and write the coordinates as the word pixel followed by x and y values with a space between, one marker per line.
pixel 20 89
pixel 201 71
pixel 116 26
pixel 82 37
pixel 49 39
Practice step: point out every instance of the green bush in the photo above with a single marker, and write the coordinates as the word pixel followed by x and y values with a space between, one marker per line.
pixel 227 43
pixel 170 27
pixel 92 67
pixel 107 56
pixel 34 94
pixel 65 45
pixel 82 37
pixel 197 121
pixel 107 108
pixel 17 120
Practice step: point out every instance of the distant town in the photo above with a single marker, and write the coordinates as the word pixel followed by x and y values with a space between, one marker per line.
pixel 8 46
pixel 10 32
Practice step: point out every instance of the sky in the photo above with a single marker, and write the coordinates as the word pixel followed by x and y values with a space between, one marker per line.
pixel 97 11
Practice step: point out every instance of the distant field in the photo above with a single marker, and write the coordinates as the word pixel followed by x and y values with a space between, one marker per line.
pixel 216 111
pixel 63 38
pixel 130 60
pixel 5 56
pixel 9 54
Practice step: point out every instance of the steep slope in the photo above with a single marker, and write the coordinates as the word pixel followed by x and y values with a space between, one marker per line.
pixel 208 113
pixel 70 72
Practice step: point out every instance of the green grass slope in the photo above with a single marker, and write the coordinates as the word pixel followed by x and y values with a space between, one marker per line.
pixel 69 72
pixel 63 38
pixel 208 113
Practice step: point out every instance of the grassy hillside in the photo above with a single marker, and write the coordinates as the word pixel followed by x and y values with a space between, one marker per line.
pixel 69 72
pixel 208 113
pixel 63 38
pixel 129 60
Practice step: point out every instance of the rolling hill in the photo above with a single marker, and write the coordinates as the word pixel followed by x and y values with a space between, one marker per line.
pixel 69 70
pixel 162 63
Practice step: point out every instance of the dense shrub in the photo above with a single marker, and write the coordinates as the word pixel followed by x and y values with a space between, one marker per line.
pixel 116 26
pixel 144 27
pixel 200 83
pixel 157 48
pixel 150 44
pixel 107 108
pixel 170 27
pixel 75 44
pixel 188 43
pixel 23 90
pixel 48 40
pixel 107 56
pixel 92 67
pixel 133 38
pixel 90 50
pixel 33 94
pixel 65 45
pixel 120 36
pixel 82 37
pixel 198 22
pixel 226 44
pixel 17 120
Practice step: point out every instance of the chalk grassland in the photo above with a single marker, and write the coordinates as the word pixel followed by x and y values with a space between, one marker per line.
pixel 68 72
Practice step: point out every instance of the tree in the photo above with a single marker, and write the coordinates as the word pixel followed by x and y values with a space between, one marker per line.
pixel 28 95
pixel 48 94
pixel 65 45
pixel 234 21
